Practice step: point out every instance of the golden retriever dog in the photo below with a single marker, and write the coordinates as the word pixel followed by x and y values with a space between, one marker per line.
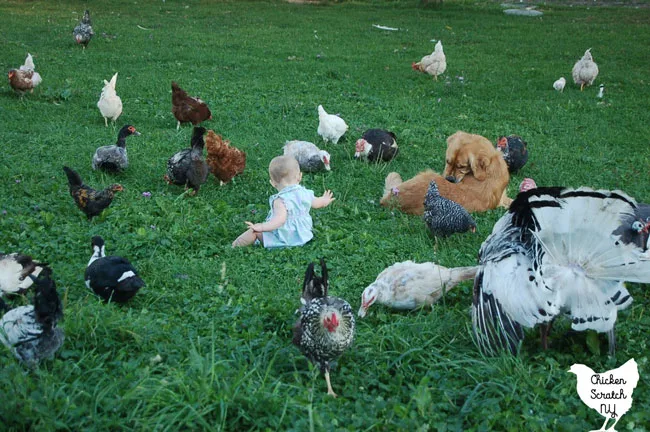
pixel 479 169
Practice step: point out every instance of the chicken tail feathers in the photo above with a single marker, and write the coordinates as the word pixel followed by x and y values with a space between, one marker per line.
pixel 494 330
pixel 314 286
pixel 74 179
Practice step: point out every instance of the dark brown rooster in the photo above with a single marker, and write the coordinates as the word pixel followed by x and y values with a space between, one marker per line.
pixel 225 162
pixel 89 200
pixel 187 167
pixel 188 109
pixel 326 325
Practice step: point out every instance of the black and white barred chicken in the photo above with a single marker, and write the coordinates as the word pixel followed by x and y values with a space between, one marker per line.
pixel 31 332
pixel 558 251
pixel 83 31
pixel 443 216
pixel 326 325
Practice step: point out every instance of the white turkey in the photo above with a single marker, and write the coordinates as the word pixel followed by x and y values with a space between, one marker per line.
pixel 408 285
pixel 326 325
pixel 31 332
pixel 330 126
pixel 558 251
pixel 14 269
pixel 112 278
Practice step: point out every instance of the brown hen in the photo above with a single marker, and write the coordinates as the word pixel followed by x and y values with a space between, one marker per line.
pixel 188 109
pixel 224 161
pixel 21 80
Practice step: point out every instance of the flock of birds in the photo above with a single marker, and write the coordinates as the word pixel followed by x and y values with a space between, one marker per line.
pixel 557 251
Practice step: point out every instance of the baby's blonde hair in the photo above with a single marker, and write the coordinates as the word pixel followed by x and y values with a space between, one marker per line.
pixel 281 167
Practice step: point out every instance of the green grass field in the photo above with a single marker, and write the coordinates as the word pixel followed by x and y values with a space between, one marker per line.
pixel 221 319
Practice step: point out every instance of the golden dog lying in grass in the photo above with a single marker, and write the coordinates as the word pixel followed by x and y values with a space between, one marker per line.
pixel 480 171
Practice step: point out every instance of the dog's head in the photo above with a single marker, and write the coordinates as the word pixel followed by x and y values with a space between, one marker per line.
pixel 468 154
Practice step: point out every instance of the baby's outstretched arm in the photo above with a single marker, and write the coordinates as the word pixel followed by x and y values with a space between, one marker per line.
pixel 323 201
pixel 278 219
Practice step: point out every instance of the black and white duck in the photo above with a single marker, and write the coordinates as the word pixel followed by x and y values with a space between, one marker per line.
pixel 188 167
pixel 113 158
pixel 31 332
pixel 377 145
pixel 112 278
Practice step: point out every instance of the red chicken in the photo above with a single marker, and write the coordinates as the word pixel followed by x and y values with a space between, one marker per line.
pixel 188 109
pixel 225 162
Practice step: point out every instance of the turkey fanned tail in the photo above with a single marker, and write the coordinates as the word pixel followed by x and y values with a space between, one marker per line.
pixel 556 253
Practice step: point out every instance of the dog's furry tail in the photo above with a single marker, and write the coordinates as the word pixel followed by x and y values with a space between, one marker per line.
pixel 393 179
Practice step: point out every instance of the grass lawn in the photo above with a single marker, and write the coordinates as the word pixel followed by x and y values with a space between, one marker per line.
pixel 220 319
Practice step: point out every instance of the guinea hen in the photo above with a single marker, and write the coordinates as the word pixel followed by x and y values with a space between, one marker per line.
pixel 112 278
pixel 434 64
pixel 83 32
pixel 310 158
pixel 187 167
pixel 326 325
pixel 14 269
pixel 224 161
pixel 113 158
pixel 110 104
pixel 635 228
pixel 585 70
pixel 556 252
pixel 31 332
pixel 514 150
pixel 408 285
pixel 330 126
pixel 443 216
pixel 188 109
pixel 89 200
pixel 377 145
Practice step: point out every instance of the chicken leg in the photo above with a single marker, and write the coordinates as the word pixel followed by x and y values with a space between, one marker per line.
pixel 611 338
pixel 330 391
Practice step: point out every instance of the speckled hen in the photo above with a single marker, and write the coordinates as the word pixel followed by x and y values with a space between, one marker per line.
pixel 443 216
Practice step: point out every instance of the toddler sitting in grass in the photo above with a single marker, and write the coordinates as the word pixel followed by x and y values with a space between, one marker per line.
pixel 288 223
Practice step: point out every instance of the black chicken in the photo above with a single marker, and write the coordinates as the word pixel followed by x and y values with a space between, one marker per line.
pixel 111 277
pixel 83 32
pixel 326 325
pixel 31 332
pixel 556 252
pixel 514 150
pixel 90 201
pixel 443 216
pixel 377 145
pixel 188 167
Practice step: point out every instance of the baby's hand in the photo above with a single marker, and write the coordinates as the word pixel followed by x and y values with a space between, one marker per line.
pixel 254 227
pixel 328 197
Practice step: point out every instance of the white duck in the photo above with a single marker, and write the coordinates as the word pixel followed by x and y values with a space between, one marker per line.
pixel 29 67
pixel 330 127
pixel 408 285
pixel 14 269
pixel 585 70
pixel 110 104
pixel 309 157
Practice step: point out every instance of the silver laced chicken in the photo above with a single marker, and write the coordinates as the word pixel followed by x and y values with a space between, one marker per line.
pixel 558 251
pixel 326 325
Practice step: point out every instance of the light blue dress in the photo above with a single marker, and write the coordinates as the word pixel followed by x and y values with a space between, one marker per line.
pixel 297 230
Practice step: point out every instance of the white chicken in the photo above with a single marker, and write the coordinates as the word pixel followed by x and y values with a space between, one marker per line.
pixel 29 67
pixel 309 157
pixel 558 251
pixel 434 64
pixel 585 70
pixel 409 285
pixel 559 84
pixel 14 269
pixel 609 393
pixel 330 126
pixel 110 104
